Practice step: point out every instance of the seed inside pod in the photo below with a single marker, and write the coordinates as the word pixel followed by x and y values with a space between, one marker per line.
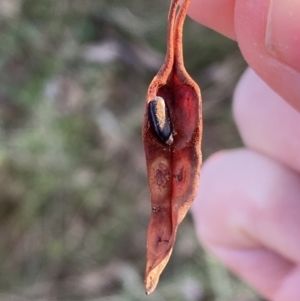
pixel 159 116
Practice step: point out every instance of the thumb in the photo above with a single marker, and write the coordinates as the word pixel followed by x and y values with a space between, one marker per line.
pixel 268 33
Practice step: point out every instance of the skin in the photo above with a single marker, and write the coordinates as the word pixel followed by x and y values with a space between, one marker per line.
pixel 247 211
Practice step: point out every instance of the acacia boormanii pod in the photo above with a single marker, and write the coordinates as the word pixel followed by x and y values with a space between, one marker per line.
pixel 172 133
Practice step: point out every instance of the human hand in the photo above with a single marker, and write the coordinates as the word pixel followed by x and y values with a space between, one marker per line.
pixel 248 208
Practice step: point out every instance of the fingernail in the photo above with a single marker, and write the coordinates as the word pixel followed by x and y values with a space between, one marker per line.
pixel 283 31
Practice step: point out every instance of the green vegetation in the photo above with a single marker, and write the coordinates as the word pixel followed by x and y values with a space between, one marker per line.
pixel 74 201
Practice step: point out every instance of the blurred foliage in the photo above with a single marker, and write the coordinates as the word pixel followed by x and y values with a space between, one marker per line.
pixel 74 201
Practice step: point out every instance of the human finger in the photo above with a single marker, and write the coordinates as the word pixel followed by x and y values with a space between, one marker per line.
pixel 268 34
pixel 266 122
pixel 217 14
pixel 247 214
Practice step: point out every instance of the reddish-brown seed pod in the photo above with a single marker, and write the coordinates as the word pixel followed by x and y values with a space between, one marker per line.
pixel 173 168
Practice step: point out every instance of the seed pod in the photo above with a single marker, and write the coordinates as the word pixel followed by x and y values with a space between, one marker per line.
pixel 173 171
pixel 160 119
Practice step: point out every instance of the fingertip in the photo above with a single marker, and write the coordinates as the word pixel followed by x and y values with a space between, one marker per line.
pixel 251 91
pixel 242 191
pixel 268 36
pixel 217 15
pixel 252 30
pixel 283 31
pixel 217 179
pixel 265 121
pixel 246 213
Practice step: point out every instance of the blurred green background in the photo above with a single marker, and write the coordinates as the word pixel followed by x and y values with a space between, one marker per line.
pixel 74 201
